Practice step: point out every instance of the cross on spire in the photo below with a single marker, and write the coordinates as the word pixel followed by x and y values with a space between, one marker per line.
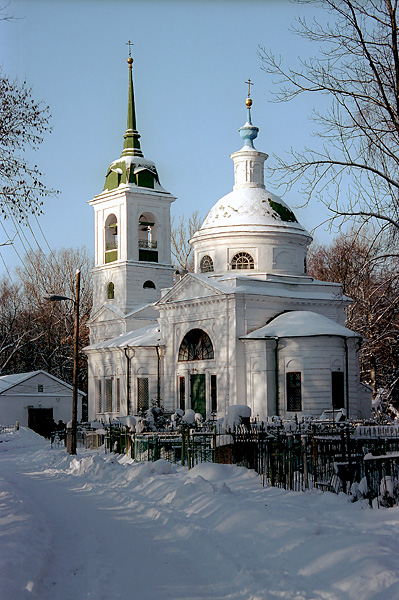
pixel 249 82
pixel 129 43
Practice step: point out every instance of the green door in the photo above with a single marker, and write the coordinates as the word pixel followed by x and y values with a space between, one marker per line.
pixel 198 401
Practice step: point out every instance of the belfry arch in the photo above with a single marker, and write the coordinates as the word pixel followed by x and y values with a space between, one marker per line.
pixel 111 238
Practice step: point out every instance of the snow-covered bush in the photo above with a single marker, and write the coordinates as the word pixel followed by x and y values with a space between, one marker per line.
pixel 198 419
pixel 387 491
pixel 237 414
pixel 188 417
pixel 359 491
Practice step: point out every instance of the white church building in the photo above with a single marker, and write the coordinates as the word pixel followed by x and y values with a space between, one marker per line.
pixel 249 326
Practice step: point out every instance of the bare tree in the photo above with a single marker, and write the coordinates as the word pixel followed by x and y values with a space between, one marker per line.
pixel 181 231
pixel 355 171
pixel 23 124
pixel 373 283
pixel 40 333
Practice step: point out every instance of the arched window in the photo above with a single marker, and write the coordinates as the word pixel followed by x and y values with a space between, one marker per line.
pixel 148 245
pixel 111 239
pixel 242 260
pixel 206 264
pixel 110 291
pixel 196 345
pixel 149 285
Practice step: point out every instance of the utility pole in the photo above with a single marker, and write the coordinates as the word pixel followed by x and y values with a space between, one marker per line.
pixel 75 365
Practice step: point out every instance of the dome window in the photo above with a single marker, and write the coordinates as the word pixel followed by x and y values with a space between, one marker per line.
pixel 149 285
pixel 110 291
pixel 242 260
pixel 196 345
pixel 206 264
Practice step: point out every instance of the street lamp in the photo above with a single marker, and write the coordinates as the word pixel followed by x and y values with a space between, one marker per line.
pixel 56 298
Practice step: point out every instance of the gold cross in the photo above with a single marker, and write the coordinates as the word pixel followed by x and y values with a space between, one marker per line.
pixel 129 43
pixel 249 82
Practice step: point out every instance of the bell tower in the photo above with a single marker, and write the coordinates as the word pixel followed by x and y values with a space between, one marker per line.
pixel 132 233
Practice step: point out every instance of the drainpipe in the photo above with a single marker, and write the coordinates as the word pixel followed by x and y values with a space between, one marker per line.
pixel 128 359
pixel 158 378
pixel 276 371
pixel 346 377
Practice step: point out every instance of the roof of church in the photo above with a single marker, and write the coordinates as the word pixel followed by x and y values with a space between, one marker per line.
pixel 145 336
pixel 300 323
pixel 251 207
pixel 250 204
pixel 247 282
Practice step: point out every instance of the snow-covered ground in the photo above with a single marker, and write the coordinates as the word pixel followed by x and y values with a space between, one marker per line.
pixel 99 527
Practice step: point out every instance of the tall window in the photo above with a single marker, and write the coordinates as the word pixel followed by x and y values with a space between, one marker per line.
pixel 99 396
pixel 196 345
pixel 242 260
pixel 206 264
pixel 118 395
pixel 111 291
pixel 182 393
pixel 142 394
pixel 111 239
pixel 214 405
pixel 294 391
pixel 338 389
pixel 108 395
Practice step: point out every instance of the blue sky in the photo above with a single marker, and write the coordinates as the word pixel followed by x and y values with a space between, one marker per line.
pixel 191 61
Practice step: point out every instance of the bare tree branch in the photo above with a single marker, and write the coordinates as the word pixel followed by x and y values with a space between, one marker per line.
pixel 357 68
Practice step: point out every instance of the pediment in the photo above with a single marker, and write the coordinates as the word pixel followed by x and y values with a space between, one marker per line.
pixel 149 311
pixel 189 288
pixel 107 313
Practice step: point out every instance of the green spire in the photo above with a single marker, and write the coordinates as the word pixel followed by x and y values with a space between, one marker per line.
pixel 131 145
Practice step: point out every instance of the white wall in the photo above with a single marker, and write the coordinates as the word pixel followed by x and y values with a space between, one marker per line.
pixel 14 404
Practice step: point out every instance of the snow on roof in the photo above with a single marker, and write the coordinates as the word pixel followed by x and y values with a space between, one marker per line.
pixel 145 336
pixel 9 381
pixel 304 288
pixel 300 323
pixel 252 206
pixel 138 309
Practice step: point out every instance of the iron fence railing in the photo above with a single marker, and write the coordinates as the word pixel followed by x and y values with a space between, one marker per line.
pixel 9 428
pixel 324 456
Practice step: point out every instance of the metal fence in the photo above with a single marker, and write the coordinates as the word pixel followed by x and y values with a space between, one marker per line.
pixel 9 428
pixel 329 460
pixel 327 457
pixel 187 447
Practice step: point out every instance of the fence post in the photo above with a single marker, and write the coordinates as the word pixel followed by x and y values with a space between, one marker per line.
pixel 315 457
pixel 214 445
pixel 343 452
pixel 188 448
pixel 183 447
pixel 133 446
pixel 305 461
pixel 271 463
pixel 289 459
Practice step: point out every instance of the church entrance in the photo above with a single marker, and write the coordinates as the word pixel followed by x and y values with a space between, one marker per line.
pixel 198 397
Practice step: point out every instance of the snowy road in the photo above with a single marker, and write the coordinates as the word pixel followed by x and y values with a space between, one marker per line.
pixel 99 528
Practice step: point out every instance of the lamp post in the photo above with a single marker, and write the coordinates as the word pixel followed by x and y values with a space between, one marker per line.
pixel 76 301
